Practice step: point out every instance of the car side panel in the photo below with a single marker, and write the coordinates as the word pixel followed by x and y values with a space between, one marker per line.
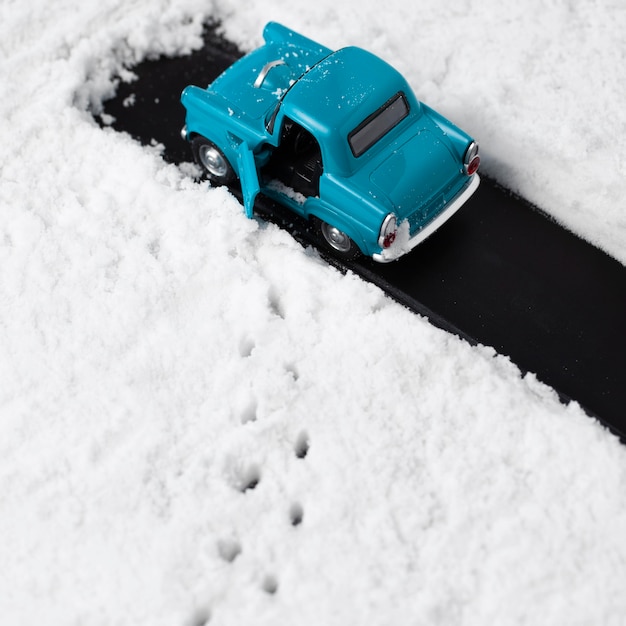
pixel 316 207
pixel 345 207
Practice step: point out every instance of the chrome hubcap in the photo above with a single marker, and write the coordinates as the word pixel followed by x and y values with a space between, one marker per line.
pixel 213 161
pixel 336 238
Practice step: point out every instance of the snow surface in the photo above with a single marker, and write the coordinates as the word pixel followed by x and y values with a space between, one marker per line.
pixel 202 422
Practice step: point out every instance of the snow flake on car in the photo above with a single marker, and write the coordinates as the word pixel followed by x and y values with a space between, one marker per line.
pixel 339 138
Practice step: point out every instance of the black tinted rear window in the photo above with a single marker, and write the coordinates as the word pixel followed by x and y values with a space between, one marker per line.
pixel 368 132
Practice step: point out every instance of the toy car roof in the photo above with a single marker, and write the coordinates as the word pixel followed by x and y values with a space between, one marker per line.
pixel 341 90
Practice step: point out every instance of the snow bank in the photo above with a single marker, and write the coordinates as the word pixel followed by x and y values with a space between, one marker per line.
pixel 202 422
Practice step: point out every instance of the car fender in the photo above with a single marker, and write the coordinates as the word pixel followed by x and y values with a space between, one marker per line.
pixel 316 207
pixel 210 115
pixel 456 139
pixel 275 33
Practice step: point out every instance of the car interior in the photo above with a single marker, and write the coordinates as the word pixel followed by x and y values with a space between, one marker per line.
pixel 297 161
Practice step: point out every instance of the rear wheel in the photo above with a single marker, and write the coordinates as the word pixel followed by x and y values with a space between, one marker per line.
pixel 336 240
pixel 212 160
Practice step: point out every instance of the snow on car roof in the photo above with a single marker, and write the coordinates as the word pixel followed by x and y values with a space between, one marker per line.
pixel 342 90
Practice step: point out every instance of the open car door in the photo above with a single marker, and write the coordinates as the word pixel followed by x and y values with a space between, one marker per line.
pixel 248 176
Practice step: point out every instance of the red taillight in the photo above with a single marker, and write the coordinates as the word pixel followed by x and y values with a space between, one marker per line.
pixel 389 239
pixel 388 231
pixel 472 166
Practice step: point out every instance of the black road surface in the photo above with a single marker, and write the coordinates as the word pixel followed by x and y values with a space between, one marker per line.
pixel 499 273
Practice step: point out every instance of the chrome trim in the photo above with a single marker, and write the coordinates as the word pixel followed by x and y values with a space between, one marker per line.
pixel 383 229
pixel 470 153
pixel 265 71
pixel 395 252
pixel 183 132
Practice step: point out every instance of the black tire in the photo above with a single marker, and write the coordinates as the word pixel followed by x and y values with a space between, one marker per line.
pixel 213 162
pixel 338 242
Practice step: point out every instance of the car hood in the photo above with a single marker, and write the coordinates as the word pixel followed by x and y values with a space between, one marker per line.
pixel 417 170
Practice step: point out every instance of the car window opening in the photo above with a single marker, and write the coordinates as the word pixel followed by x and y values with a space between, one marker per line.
pixel 374 127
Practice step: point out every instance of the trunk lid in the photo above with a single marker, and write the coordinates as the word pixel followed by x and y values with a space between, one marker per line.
pixel 418 171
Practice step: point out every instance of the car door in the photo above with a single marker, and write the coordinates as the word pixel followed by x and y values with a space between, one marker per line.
pixel 248 176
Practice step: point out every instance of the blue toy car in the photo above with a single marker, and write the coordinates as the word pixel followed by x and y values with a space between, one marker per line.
pixel 338 137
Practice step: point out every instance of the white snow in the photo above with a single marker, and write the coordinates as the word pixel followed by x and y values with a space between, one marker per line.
pixel 161 353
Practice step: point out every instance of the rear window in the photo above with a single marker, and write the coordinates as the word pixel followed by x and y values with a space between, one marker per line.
pixel 368 132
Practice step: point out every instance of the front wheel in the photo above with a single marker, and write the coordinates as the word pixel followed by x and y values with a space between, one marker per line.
pixel 336 240
pixel 212 160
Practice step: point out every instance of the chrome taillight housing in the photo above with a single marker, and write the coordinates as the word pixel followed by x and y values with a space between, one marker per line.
pixel 388 231
pixel 471 160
